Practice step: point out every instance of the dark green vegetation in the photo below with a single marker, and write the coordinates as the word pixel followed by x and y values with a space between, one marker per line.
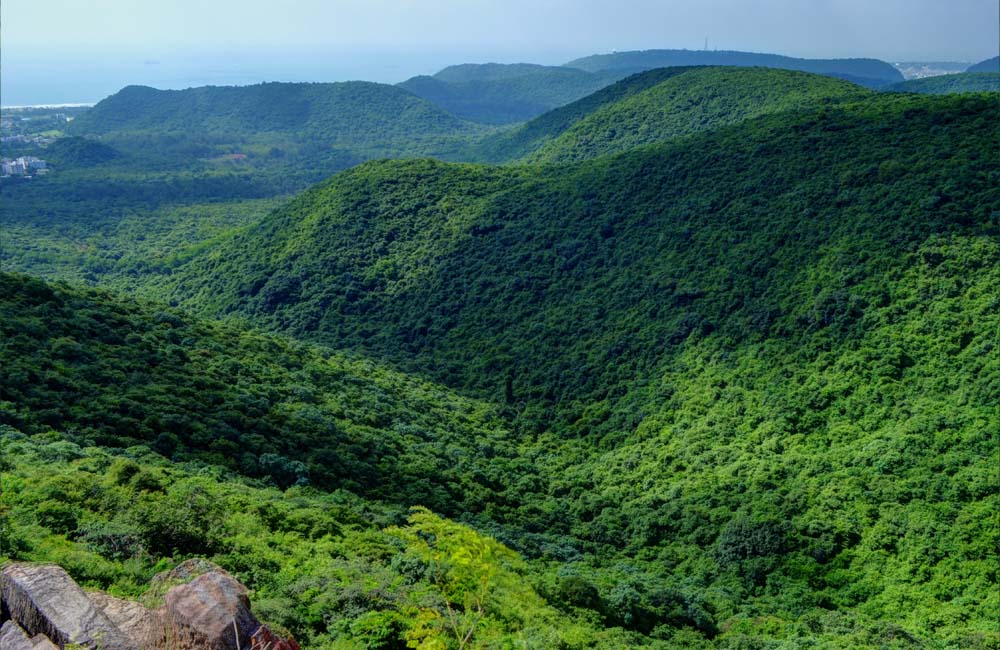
pixel 736 389
pixel 346 122
pixel 867 72
pixel 697 100
pixel 741 352
pixel 503 94
pixel 989 65
pixel 518 142
pixel 119 374
pixel 968 82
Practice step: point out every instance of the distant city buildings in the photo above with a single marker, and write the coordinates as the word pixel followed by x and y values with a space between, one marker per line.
pixel 23 166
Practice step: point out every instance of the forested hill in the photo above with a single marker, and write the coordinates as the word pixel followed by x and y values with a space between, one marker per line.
pixel 560 291
pixel 697 100
pixel 752 366
pixel 117 373
pixel 989 65
pixel 871 72
pixel 967 82
pixel 505 93
pixel 368 118
pixel 732 390
pixel 522 140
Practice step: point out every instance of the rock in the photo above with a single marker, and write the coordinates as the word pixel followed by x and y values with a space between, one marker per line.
pixel 44 600
pixel 12 637
pixel 209 613
pixel 265 639
pixel 144 626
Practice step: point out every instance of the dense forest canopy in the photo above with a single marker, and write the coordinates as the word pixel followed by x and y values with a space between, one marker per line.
pixel 708 362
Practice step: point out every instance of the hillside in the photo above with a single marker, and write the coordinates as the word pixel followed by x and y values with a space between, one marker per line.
pixel 754 362
pixel 364 119
pixel 118 374
pixel 989 65
pixel 735 390
pixel 869 72
pixel 683 104
pixel 518 142
pixel 389 243
pixel 504 94
pixel 967 82
pixel 329 568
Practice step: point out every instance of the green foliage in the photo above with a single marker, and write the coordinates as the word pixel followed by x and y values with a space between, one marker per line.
pixel 734 390
pixel 366 119
pixel 869 72
pixel 349 586
pixel 123 374
pixel 752 364
pixel 585 280
pixel 968 82
pixel 79 151
pixel 517 143
pixel 697 100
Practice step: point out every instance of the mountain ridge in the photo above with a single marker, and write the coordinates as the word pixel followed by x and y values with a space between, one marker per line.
pixel 871 71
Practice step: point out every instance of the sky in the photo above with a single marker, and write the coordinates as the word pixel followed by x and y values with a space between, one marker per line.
pixel 82 50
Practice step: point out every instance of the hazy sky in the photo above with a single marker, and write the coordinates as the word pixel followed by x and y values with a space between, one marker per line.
pixel 390 40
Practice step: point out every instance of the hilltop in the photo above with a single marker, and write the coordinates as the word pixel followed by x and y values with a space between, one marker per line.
pixel 518 142
pixel 967 82
pixel 504 93
pixel 686 103
pixel 360 118
pixel 868 72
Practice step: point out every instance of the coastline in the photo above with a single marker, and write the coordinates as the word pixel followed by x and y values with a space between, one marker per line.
pixel 24 106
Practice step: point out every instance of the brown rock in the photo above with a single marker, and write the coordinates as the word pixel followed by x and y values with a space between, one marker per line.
pixel 209 613
pixel 265 639
pixel 44 600
pixel 137 622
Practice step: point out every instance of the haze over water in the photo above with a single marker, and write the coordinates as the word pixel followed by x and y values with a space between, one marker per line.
pixel 66 51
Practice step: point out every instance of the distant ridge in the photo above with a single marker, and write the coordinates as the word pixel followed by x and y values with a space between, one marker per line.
pixel 495 93
pixel 868 72
pixel 989 65
pixel 965 82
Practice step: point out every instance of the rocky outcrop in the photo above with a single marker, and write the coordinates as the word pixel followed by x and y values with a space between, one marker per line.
pixel 13 637
pixel 212 612
pixel 204 608
pixel 146 627
pixel 44 600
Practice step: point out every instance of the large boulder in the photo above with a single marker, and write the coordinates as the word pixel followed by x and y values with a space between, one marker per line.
pixel 204 608
pixel 137 622
pixel 44 600
pixel 211 612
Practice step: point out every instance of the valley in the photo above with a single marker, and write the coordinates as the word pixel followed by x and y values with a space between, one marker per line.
pixel 660 349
